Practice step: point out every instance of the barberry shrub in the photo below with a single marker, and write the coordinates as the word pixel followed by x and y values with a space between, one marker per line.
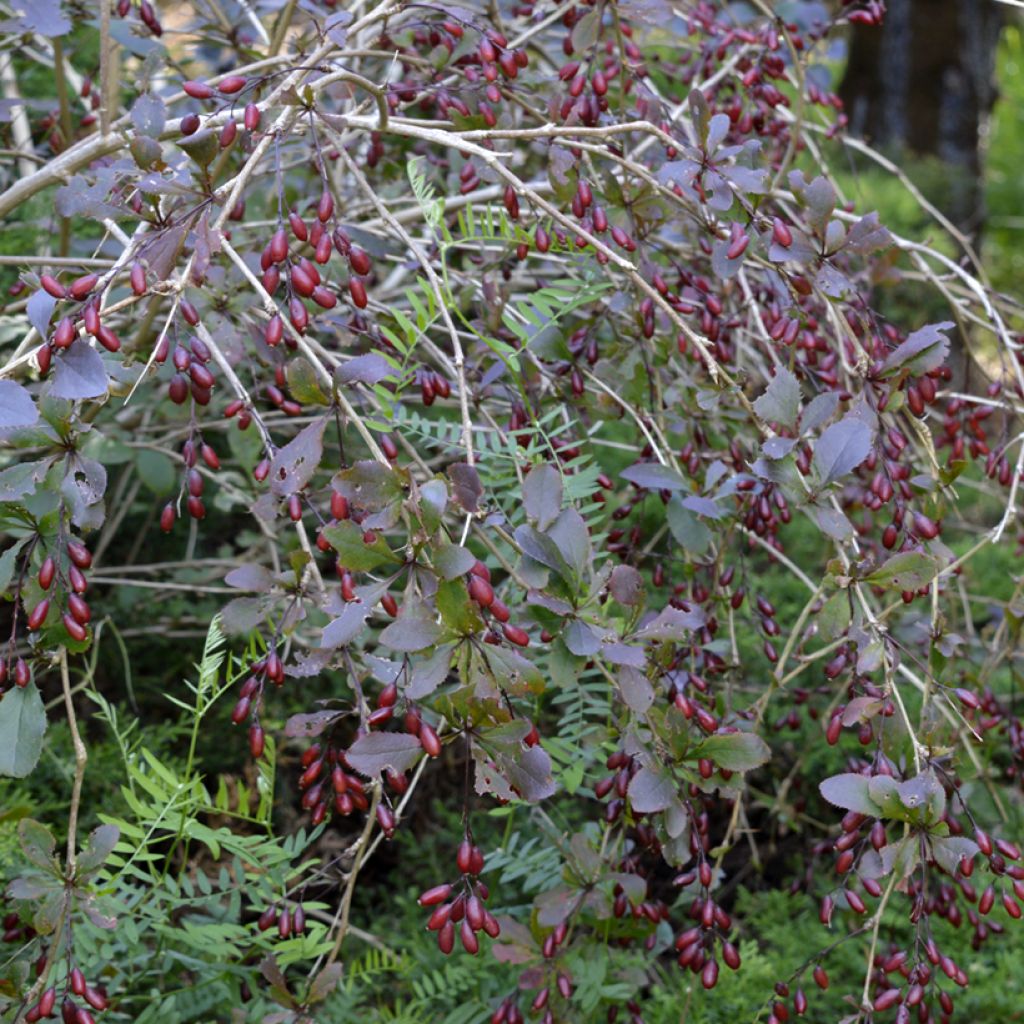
pixel 507 392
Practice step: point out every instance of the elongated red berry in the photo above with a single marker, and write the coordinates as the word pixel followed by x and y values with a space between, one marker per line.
pixel 47 571
pixel 38 614
pixel 80 287
pixel 429 740
pixel 481 591
pixel 438 894
pixel 74 629
pixel 231 84
pixel 79 609
pixel 79 554
pixel 197 90
pixel 357 290
pixel 515 635
pixel 52 286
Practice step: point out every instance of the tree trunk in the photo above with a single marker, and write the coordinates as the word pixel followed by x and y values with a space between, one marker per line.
pixel 925 81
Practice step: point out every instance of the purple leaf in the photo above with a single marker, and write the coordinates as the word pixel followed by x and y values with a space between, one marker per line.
pixel 924 350
pixel 542 495
pixel 781 401
pixel 841 449
pixel 39 309
pixel 16 407
pixel 651 791
pixel 294 465
pixel 367 369
pixel 467 488
pixel 380 751
pixel 654 477
pixel 79 374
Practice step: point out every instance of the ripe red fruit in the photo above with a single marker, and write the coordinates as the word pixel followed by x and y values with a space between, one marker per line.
pixel 357 290
pixel 79 554
pixel 359 261
pixel 167 517
pixel 74 629
pixel 65 333
pixel 108 339
pixel 429 740
pixel 438 894
pixel 79 609
pixel 274 331
pixel 197 90
pixel 781 233
pixel 516 635
pixel 77 579
pixel 38 615
pixel 481 591
pixel 925 527
pixel 137 279
pixel 302 282
pixel 82 286
pixel 22 675
pixel 388 447
pixel 278 248
pixel 52 286
pixel 47 571
pixel 469 940
pixel 231 84
pixel 386 820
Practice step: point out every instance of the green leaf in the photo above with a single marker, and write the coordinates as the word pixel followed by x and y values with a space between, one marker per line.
pixel 850 792
pixel 735 751
pixel 541 548
pixel 156 471
pixel 907 570
pixel 303 383
pixel 7 564
pixel 38 845
pixel 458 613
pixel 17 482
pixel 834 617
pixel 22 724
pixel 369 485
pixel 353 552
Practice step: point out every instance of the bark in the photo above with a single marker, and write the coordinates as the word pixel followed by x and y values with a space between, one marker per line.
pixel 925 81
